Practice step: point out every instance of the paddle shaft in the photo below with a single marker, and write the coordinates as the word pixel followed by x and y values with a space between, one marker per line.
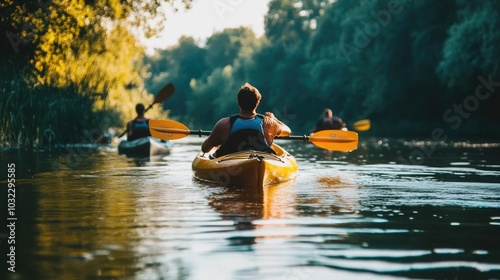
pixel 338 140
pixel 304 138
pixel 290 137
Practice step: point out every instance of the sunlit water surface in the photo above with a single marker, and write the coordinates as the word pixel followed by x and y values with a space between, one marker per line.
pixel 392 209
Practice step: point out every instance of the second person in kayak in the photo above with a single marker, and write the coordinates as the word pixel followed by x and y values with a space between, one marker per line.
pixel 246 130
pixel 329 121
pixel 138 127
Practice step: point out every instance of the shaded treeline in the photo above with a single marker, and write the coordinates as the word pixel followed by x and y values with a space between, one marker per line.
pixel 410 66
pixel 71 67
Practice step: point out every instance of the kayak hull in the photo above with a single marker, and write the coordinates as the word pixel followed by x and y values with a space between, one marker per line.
pixel 145 146
pixel 246 168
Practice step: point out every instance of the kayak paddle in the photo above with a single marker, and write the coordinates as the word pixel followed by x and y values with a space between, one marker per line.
pixel 333 140
pixel 362 125
pixel 162 95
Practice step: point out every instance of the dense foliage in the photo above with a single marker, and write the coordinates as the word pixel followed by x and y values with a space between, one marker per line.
pixel 409 66
pixel 71 67
pixel 67 66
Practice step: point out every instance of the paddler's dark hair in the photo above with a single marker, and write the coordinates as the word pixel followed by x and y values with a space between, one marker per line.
pixel 328 113
pixel 248 97
pixel 139 108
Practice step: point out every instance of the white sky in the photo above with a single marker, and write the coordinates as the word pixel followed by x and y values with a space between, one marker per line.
pixel 209 16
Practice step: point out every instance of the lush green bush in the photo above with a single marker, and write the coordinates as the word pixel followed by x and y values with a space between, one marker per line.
pixel 37 116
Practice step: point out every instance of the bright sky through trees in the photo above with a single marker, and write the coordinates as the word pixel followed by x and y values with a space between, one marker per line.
pixel 209 16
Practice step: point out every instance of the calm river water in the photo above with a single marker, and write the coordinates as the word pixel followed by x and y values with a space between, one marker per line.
pixel 375 213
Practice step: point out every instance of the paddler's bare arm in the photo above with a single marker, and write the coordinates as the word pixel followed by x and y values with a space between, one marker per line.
pixel 129 129
pixel 219 134
pixel 283 129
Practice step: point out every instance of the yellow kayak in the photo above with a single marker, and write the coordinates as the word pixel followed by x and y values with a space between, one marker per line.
pixel 246 168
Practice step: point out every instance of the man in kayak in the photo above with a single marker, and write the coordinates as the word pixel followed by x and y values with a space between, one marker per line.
pixel 329 121
pixel 138 127
pixel 246 130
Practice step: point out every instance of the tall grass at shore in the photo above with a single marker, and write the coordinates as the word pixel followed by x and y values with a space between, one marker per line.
pixel 38 116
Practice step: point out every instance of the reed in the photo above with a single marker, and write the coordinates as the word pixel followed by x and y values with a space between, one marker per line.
pixel 39 116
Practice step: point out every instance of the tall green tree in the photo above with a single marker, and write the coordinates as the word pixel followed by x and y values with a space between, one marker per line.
pixel 471 55
pixel 404 64
pixel 278 67
pixel 201 73
pixel 222 48
pixel 179 64
pixel 84 47
pixel 289 22
pixel 381 58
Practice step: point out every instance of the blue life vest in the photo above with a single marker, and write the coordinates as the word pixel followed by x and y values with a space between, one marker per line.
pixel 245 134
pixel 139 129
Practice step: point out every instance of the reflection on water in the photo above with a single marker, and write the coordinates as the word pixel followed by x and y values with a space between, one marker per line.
pixel 370 214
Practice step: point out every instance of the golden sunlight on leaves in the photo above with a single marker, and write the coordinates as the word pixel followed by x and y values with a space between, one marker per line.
pixel 81 50
pixel 104 57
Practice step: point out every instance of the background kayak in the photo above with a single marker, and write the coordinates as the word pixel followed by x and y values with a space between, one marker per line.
pixel 145 146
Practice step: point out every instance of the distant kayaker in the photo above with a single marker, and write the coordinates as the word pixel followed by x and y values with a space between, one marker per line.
pixel 138 127
pixel 329 121
pixel 246 130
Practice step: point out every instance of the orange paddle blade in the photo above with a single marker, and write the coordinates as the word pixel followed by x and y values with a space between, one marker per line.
pixel 362 125
pixel 168 129
pixel 335 140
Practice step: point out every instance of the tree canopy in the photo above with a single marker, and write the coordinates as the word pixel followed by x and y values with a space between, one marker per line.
pixel 87 47
pixel 407 65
